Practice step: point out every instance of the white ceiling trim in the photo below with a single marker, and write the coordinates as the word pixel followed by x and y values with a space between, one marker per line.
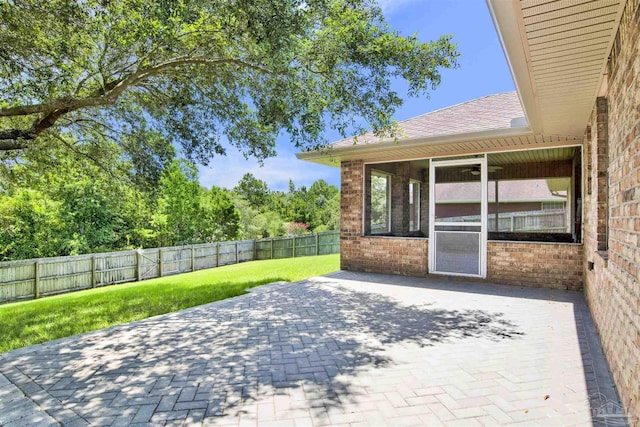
pixel 509 36
pixel 557 51
pixel 479 142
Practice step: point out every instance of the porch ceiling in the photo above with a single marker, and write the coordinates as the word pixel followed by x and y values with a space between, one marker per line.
pixel 557 51
pixel 531 156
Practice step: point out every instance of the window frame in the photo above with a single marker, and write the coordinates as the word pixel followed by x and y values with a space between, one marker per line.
pixel 388 177
pixel 415 206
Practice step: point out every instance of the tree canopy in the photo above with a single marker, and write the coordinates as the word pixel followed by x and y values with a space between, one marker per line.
pixel 199 72
pixel 65 204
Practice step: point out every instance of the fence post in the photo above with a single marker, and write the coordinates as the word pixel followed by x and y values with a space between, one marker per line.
pixel 255 249
pixel 217 254
pixel 138 265
pixel 36 280
pixel 317 245
pixel 293 255
pixel 93 271
pixel 237 258
pixel 271 257
pixel 193 259
pixel 160 262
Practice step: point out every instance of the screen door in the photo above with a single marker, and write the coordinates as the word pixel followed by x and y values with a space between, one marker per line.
pixel 458 212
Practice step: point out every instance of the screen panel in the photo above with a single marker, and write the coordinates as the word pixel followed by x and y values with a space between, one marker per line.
pixel 458 252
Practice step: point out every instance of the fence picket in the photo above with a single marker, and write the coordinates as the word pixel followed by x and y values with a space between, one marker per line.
pixel 36 280
pixel 93 271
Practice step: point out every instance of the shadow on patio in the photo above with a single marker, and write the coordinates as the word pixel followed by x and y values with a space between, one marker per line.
pixel 225 358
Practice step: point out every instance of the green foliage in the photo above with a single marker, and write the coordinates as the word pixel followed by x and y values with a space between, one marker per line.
pixel 30 226
pixel 219 216
pixel 200 71
pixel 178 205
pixel 98 98
pixel 66 204
pixel 318 208
pixel 32 322
pixel 88 208
pixel 379 200
pixel 188 213
pixel 253 190
pixel 67 210
pixel 90 215
pixel 148 154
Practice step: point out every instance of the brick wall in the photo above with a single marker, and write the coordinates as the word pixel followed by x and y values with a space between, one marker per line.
pixel 530 264
pixel 548 265
pixel 351 200
pixel 388 255
pixel 612 287
pixel 373 254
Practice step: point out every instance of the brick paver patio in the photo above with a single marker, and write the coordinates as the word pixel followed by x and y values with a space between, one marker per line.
pixel 345 349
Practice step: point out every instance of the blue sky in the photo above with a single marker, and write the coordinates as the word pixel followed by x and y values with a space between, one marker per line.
pixel 483 71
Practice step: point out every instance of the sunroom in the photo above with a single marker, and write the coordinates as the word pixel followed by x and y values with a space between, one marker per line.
pixel 461 203
pixel 470 190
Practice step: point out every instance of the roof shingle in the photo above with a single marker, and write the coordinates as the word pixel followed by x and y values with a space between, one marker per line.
pixel 492 112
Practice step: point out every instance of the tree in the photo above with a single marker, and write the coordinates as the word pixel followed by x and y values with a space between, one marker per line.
pixel 148 154
pixel 30 227
pixel 301 208
pixel 178 205
pixel 219 217
pixel 379 200
pixel 324 206
pixel 90 216
pixel 254 190
pixel 91 209
pixel 200 71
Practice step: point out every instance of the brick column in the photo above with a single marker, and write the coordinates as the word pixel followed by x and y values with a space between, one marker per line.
pixel 424 203
pixel 350 213
pixel 351 199
pixel 400 199
pixel 601 165
pixel 367 200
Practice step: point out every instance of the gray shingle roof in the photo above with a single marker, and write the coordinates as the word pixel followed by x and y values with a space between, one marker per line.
pixel 492 112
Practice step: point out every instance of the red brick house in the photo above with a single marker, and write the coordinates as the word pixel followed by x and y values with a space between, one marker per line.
pixel 573 125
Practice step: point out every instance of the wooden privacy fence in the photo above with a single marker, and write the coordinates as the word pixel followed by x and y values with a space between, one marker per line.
pixel 33 278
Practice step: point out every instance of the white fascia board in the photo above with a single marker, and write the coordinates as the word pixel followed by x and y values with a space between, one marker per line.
pixel 510 31
pixel 413 142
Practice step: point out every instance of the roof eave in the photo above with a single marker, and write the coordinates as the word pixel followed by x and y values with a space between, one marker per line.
pixel 509 31
pixel 550 107
pixel 331 155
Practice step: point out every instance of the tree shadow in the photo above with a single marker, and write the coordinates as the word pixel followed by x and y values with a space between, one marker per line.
pixel 216 360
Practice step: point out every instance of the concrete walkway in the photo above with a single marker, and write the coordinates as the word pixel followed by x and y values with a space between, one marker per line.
pixel 344 349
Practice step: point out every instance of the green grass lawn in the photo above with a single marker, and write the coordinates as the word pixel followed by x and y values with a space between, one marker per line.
pixel 32 322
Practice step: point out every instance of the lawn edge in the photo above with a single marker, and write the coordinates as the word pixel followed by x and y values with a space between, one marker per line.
pixel 18 352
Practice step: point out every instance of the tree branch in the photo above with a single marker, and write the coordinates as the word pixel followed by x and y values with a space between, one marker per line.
pixel 87 156
pixel 114 89
pixel 16 139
